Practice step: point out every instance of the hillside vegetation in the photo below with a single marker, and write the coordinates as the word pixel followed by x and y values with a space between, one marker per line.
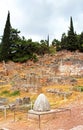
pixel 58 76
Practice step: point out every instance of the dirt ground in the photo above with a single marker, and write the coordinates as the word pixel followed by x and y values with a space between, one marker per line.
pixel 59 121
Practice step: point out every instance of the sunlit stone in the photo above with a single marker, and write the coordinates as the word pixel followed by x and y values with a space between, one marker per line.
pixel 41 104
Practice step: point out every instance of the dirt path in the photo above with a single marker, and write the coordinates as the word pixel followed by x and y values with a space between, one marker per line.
pixel 60 121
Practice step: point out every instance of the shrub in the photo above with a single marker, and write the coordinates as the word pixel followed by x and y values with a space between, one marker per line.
pixel 5 92
pixel 15 93
pixel 21 59
pixel 35 59
pixel 78 88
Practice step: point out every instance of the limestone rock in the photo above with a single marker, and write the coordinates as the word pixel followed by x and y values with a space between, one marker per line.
pixel 41 104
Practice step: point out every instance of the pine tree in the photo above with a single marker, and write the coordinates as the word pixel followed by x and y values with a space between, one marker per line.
pixel 5 45
pixel 71 39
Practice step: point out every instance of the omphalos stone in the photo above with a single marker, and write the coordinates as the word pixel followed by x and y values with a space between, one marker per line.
pixel 41 104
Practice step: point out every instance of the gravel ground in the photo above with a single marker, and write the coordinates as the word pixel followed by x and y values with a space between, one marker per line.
pixel 59 121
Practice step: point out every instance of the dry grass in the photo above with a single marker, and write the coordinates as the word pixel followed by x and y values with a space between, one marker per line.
pixel 55 100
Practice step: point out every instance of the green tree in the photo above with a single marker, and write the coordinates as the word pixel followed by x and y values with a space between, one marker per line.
pixel 44 47
pixel 63 42
pixel 5 44
pixel 71 39
pixel 57 44
pixel 14 40
pixel 48 41
pixel 80 44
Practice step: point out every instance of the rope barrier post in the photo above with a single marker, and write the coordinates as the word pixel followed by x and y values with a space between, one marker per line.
pixel 5 113
pixel 39 121
pixel 14 115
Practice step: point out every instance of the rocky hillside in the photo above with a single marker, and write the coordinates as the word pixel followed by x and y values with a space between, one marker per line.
pixel 61 68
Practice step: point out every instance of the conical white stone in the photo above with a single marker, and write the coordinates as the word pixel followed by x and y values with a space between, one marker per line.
pixel 41 104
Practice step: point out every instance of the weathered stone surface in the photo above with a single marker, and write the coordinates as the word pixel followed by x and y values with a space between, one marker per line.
pixel 26 100
pixel 49 70
pixel 18 101
pixel 79 127
pixel 41 104
pixel 3 101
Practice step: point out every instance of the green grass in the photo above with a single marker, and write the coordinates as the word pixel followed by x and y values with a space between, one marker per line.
pixel 5 92
pixel 9 94
pixel 78 88
pixel 15 93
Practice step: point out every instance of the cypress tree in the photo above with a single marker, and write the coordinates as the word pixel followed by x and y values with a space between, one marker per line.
pixel 80 44
pixel 5 45
pixel 48 41
pixel 71 39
